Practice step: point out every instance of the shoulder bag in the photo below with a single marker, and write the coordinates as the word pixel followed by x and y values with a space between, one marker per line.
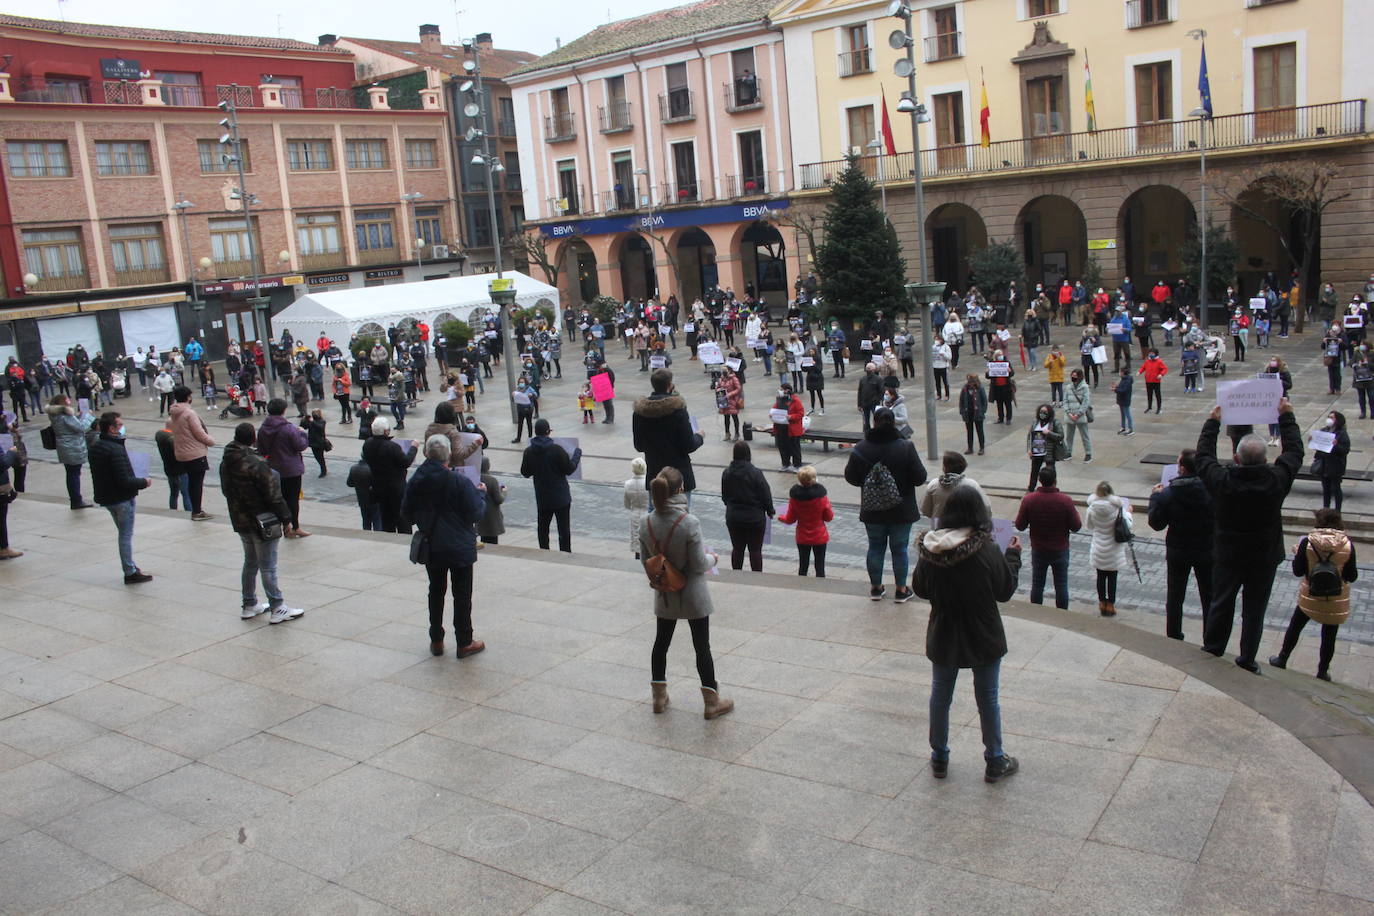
pixel 663 575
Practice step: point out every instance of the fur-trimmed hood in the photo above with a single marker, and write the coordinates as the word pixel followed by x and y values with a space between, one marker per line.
pixel 656 406
pixel 948 546
pixel 53 410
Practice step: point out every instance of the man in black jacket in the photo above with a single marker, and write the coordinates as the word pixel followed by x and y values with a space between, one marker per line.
pixel 1248 541
pixel 748 506
pixel 388 462
pixel 663 431
pixel 870 393
pixel 549 465
pixel 116 488
pixel 1185 508
pixel 251 489
pixel 888 527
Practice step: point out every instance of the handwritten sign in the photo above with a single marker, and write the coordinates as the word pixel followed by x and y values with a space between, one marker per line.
pixel 1259 304
pixel 1002 532
pixel 569 445
pixel 658 361
pixel 1354 321
pixel 1249 401
pixel 1321 441
pixel 710 353
pixel 1169 472
pixel 778 415
pixel 999 369
pixel 1116 328
pixel 866 344
pixel 139 463
pixel 734 363
pixel 807 362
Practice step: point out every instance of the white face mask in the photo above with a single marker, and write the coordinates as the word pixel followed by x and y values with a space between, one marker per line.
pixel 1329 423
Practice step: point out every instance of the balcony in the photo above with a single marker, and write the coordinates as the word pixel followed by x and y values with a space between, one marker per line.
pixel 37 89
pixel 513 182
pixel 1142 13
pixel 505 127
pixel 1252 4
pixel 1122 144
pixel 560 127
pixel 687 191
pixel 390 255
pixel 156 273
pixel 745 185
pixel 615 117
pixel 242 267
pixel 331 97
pixel 744 93
pixel 617 199
pixel 675 106
pixel 291 96
pixel 944 47
pixel 852 63
pixel 121 92
pixel 323 260
pixel 60 283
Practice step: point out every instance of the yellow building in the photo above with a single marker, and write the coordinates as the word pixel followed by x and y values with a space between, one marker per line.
pixel 1287 77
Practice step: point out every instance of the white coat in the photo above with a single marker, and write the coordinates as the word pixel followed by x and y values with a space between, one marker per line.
pixel 1100 521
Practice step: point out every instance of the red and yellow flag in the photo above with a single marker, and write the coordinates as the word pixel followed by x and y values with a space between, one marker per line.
pixel 984 114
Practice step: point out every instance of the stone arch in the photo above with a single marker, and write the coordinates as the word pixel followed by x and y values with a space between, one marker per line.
pixel 954 230
pixel 1152 227
pixel 638 275
pixel 763 256
pixel 577 277
pixel 1260 248
pixel 1053 235
pixel 696 262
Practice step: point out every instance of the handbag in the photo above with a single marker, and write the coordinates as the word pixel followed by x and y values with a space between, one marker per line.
pixel 1121 530
pixel 328 446
pixel 268 525
pixel 663 575
pixel 48 437
pixel 420 542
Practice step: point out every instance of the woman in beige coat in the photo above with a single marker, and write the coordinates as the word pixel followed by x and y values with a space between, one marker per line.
pixel 1326 543
pixel 675 533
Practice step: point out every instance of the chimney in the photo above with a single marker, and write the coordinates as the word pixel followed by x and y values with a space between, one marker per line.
pixel 328 41
pixel 482 40
pixel 430 42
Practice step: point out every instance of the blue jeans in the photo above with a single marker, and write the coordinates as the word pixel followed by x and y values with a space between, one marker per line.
pixel 1126 422
pixel 123 515
pixel 1058 561
pixel 74 483
pixel 985 679
pixel 179 485
pixel 882 538
pixel 260 556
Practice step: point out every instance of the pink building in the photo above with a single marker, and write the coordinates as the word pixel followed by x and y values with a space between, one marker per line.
pixel 656 155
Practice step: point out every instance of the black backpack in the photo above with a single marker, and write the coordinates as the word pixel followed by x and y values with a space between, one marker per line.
pixel 1323 578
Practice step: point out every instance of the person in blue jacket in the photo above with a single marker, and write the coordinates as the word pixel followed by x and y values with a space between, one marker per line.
pixel 1121 342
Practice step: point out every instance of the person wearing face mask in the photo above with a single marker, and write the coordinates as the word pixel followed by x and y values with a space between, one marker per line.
pixel 893 401
pixel 1333 355
pixel 116 488
pixel 1240 330
pixel 1090 342
pixel 1044 442
pixel 1154 369
pixel 1278 368
pixel 1330 466
pixel 1078 409
pixel 1327 303
pixel 1326 543
pixel 1362 380
pixel 787 414
pixel 940 355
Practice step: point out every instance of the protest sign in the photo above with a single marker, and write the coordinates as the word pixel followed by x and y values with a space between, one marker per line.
pixel 602 389
pixel 1002 532
pixel 999 369
pixel 710 354
pixel 1249 401
pixel 734 363
pixel 139 463
pixel 1169 472
pixel 569 445
pixel 1321 441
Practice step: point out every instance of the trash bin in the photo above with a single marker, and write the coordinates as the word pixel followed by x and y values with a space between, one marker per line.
pixel 748 432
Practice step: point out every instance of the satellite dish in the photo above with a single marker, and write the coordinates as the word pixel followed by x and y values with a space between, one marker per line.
pixel 897 39
pixel 903 67
pixel 472 109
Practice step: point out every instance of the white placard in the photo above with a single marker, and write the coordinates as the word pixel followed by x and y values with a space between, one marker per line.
pixel 807 362
pixel 1169 325
pixel 1002 532
pixel 1099 355
pixel 866 344
pixel 1249 401
pixel 6 442
pixel 569 445
pixel 778 415
pixel 696 425
pixel 753 344
pixel 999 369
pixel 1115 328
pixel 1321 441
pixel 734 363
pixel 710 353
pixel 1168 473
pixel 139 463
pixel 490 335
pixel 1259 304
pixel 658 361
pixel 689 327
pixel 1354 321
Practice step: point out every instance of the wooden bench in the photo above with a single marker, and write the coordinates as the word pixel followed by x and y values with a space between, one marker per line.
pixel 1302 474
pixel 823 436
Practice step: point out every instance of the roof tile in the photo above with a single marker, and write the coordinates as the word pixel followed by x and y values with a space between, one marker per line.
pixel 91 30
pixel 496 62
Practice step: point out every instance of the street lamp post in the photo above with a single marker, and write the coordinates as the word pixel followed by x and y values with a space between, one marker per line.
pixel 901 39
pixel 196 304
pixel 1203 117
pixel 876 146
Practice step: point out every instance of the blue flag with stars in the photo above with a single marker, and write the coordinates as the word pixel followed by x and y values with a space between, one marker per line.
pixel 1204 85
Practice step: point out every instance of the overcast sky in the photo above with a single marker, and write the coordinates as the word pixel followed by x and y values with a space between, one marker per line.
pixel 532 25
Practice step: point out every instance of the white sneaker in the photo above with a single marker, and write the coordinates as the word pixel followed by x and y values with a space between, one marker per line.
pixel 822 411
pixel 249 613
pixel 284 613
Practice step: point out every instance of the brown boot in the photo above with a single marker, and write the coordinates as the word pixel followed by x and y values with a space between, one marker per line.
pixel 1108 609
pixel 716 705
pixel 1102 607
pixel 660 689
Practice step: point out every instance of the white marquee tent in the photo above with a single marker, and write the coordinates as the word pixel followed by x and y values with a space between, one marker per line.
pixel 344 312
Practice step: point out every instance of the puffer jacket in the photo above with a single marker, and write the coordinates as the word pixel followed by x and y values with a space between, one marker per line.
pixel 1336 545
pixel 1107 553
pixel 662 430
pixel 111 473
pixel 69 432
pixel 746 494
pixel 963 575
pixel 809 509
pixel 1185 508
pixel 281 442
pixel 189 434
pixel 459 451
pixel 445 506
pixel 250 488
pixel 1078 399
pixel 886 445
pixel 685 551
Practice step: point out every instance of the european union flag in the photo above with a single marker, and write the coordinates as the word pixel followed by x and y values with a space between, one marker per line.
pixel 1204 85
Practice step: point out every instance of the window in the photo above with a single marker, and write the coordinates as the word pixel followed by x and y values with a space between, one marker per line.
pixel 947 40
pixel 428 225
pixel 616 115
pixel 512 171
pixel 857 57
pixel 1276 93
pixel 1140 13
pixel 374 229
pixel 745 88
pixel 56 257
pixel 318 234
pixel 292 95
pixel 309 155
pixel 505 124
pixel 422 154
pixel 479 225
pixel 559 125
pixel 559 99
pixel 1045 98
pixel 180 88
pixel 685 170
pixel 676 104
pixel 214 158
pixel 123 157
pixel 39 159
pixel 1154 96
pixel 1042 7
pixel 517 217
pixel 567 186
pixel 860 123
pixel 625 192
pixel 137 253
pixel 230 245
pixel 366 154
pixel 949 129
pixel 751 162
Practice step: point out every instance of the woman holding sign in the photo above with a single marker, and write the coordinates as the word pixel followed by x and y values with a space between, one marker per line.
pixel 787 414
pixel 1333 345
pixel 729 402
pixel 1044 442
pixel 1330 465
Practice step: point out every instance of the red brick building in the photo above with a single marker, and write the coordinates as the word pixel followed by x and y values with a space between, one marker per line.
pixel 106 129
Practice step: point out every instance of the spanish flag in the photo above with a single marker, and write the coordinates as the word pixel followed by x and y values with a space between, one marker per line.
pixel 1088 94
pixel 983 115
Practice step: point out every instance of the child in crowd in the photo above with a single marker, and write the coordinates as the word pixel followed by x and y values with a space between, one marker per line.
pixel 259 397
pixel 1123 402
pixel 1262 330
pixel 587 403
pixel 808 507
pixel 210 392
pixel 1192 367
pixel 636 500
pixel 492 524
pixel 469 380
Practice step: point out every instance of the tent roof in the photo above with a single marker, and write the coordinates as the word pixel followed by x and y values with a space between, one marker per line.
pixel 420 299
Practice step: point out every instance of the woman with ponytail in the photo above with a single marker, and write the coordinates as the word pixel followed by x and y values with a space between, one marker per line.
pixel 674 533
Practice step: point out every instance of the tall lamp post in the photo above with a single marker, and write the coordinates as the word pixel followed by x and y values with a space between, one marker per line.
pixel 1203 117
pixel 197 304
pixel 477 107
pixel 920 293
pixel 412 198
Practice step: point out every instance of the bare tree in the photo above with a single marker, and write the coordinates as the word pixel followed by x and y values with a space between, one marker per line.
pixel 803 222
pixel 1303 191
pixel 535 249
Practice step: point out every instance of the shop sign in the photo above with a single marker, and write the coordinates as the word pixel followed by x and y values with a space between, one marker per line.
pixel 327 279
pixel 246 286
pixel 384 274
pixel 119 68
pixel 668 219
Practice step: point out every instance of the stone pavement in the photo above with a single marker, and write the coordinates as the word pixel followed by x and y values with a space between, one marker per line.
pixel 159 754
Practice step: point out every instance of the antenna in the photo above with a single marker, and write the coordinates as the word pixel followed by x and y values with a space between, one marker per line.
pixel 279 25
pixel 457 26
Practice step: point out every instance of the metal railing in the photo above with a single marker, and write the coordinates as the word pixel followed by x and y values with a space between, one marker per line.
pixel 859 60
pixel 676 105
pixel 144 277
pixel 330 97
pixel 513 182
pixel 239 268
pixel 743 94
pixel 183 96
pixel 615 117
pixel 505 127
pixel 242 96
pixel 1142 13
pixel 322 260
pixel 1237 131
pixel 685 192
pixel 60 283
pixel 291 96
pixel 944 47
pixel 379 255
pixel 745 185
pixel 121 92
pixel 617 199
pixel 560 126
pixel 37 89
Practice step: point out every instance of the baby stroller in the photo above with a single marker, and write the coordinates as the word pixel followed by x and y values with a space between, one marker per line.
pixel 239 404
pixel 119 384
pixel 1213 353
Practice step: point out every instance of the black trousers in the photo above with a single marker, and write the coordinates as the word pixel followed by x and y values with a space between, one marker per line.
pixel 744 536
pixel 789 447
pixel 804 554
pixel 524 420
pixel 291 492
pixel 1230 578
pixel 1328 647
pixel 1106 585
pixel 441 570
pixel 1331 492
pixel 701 642
pixel 971 427
pixel 1178 564
pixel 1154 395
pixel 345 408
pixel 1036 464
pixel 195 480
pixel 564 517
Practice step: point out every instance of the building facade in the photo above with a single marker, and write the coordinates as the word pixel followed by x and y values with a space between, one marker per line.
pixel 655 150
pixel 1119 179
pixel 429 63
pixel 107 129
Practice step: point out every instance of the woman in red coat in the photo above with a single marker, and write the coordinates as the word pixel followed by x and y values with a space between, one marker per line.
pixel 809 509
pixel 787 414
pixel 1154 371
pixel 729 402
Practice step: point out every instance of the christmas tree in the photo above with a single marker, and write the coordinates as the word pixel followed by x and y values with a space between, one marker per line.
pixel 860 263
